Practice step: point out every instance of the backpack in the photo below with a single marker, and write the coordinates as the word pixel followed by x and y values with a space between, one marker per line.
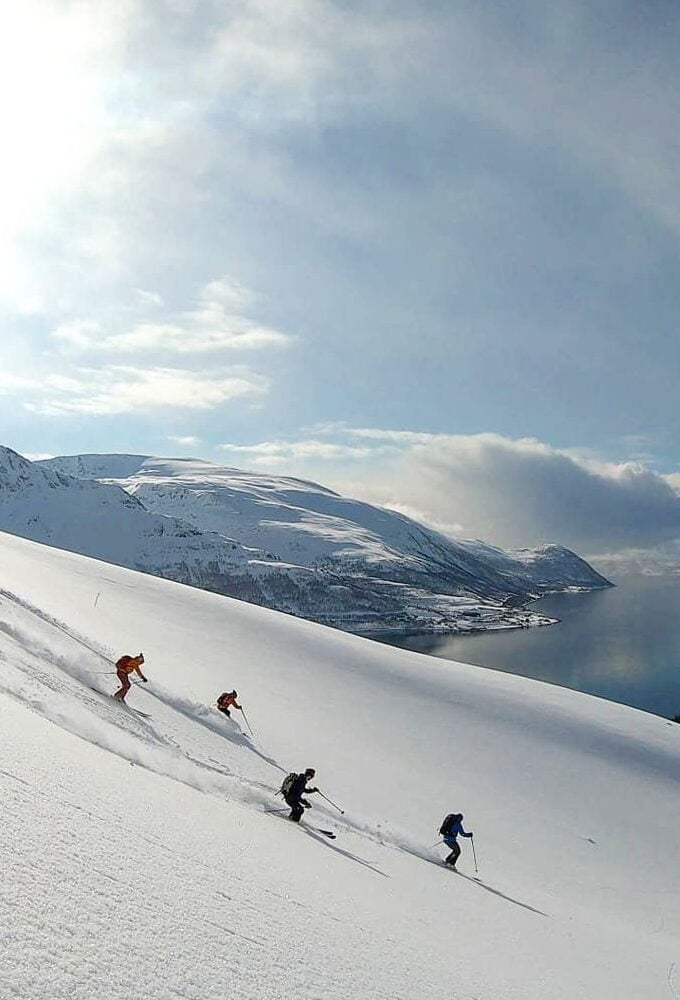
pixel 448 823
pixel 287 783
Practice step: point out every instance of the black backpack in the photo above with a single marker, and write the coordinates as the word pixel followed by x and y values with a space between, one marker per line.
pixel 287 783
pixel 448 823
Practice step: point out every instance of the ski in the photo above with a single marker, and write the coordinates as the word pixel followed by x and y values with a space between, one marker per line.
pixel 305 826
pixel 471 878
pixel 123 704
pixel 317 829
pixel 144 715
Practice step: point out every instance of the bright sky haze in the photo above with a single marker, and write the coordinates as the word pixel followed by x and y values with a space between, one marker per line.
pixel 427 253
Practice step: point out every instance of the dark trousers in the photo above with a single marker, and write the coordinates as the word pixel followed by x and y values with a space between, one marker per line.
pixel 455 850
pixel 224 711
pixel 296 809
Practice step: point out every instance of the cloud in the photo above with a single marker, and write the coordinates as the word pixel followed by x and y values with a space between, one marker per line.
pixel 658 560
pixel 116 389
pixel 440 184
pixel 276 454
pixel 161 156
pixel 215 324
pixel 507 491
pixel 149 298
pixel 519 491
pixel 129 162
pixel 10 384
pixel 186 440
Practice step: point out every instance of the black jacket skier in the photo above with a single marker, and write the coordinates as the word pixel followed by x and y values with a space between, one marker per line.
pixel 298 789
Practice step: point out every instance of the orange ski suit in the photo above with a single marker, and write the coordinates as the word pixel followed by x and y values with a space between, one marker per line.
pixel 227 701
pixel 125 666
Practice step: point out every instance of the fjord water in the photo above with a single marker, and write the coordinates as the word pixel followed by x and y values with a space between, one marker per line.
pixel 622 644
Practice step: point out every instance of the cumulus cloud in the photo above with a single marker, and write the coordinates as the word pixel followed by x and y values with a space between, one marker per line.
pixel 519 491
pixel 511 492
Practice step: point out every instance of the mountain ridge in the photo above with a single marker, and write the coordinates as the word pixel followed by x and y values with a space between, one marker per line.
pixel 282 542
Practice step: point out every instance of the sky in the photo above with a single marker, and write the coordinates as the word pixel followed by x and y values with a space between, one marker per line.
pixel 426 253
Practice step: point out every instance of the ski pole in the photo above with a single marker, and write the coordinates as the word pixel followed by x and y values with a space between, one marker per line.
pixel 435 845
pixel 334 804
pixel 285 809
pixel 247 723
pixel 474 853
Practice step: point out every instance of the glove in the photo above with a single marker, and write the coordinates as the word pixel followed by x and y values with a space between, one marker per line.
pixel 311 790
pixel 307 805
pixel 145 679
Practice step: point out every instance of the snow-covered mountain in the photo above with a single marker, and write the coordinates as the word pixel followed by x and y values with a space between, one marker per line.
pixel 305 524
pixel 106 522
pixel 283 543
pixel 138 860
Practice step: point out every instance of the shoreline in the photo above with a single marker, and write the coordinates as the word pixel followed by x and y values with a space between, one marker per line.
pixel 529 619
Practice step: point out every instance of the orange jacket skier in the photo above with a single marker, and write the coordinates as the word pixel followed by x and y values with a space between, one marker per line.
pixel 227 701
pixel 125 666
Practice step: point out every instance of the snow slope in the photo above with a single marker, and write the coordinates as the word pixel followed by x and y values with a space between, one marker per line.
pixel 138 862
pixel 364 567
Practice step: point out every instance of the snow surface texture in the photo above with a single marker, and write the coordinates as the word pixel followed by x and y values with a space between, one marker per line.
pixel 138 861
pixel 298 547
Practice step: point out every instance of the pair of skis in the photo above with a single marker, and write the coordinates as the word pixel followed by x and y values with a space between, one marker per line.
pixel 144 715
pixel 308 826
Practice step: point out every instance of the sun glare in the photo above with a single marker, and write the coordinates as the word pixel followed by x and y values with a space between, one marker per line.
pixel 48 112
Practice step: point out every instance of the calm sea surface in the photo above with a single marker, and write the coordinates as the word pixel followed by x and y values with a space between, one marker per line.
pixel 622 644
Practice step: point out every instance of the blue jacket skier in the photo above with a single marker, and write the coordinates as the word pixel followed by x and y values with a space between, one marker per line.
pixel 451 829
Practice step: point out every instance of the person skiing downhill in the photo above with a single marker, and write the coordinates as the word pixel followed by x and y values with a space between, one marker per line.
pixel 293 795
pixel 226 701
pixel 451 828
pixel 125 666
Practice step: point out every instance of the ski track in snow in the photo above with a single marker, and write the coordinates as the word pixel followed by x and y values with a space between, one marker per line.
pixel 202 773
pixel 52 690
pixel 136 738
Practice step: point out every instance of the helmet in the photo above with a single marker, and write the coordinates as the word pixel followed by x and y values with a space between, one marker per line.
pixel 140 656
pixel 310 772
pixel 235 693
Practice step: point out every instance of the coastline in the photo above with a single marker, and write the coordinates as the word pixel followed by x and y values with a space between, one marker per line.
pixel 508 618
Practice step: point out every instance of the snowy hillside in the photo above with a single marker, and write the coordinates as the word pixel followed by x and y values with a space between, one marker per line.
pixel 138 860
pixel 342 561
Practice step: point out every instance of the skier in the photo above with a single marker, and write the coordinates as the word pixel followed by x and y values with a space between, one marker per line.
pixel 293 788
pixel 226 701
pixel 450 829
pixel 125 666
